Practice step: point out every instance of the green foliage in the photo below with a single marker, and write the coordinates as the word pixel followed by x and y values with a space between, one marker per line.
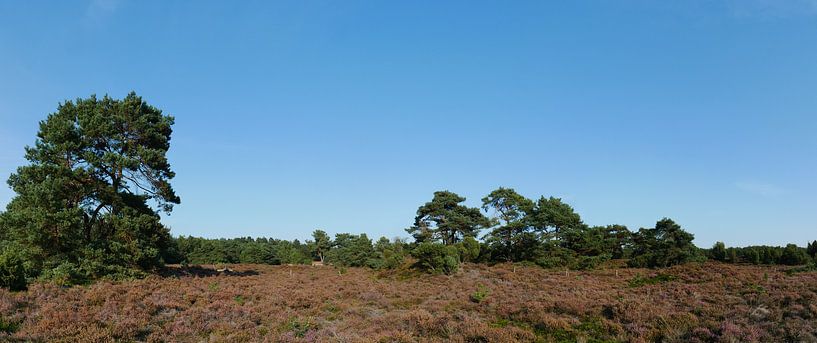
pixel 811 267
pixel 551 215
pixel 17 265
pixel 665 245
pixel 794 256
pixel 557 256
pixel 83 198
pixel 70 273
pixel 201 251
pixel 468 249
pixel 352 251
pixel 811 249
pixel 321 244
pixel 443 219
pixel 257 253
pixel 8 326
pixel 718 252
pixel 788 255
pixel 436 258
pixel 480 294
pixel 299 327
pixel 390 255
pixel 293 252
pixel 64 274
pixel 196 250
pixel 608 240
pixel 511 212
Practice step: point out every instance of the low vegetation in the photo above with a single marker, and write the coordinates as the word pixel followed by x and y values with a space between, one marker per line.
pixel 696 302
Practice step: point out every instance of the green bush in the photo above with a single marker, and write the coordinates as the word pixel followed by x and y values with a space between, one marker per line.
pixel 8 326
pixel 468 249
pixel 436 258
pixel 480 294
pixel 16 266
pixel 352 251
pixel 65 274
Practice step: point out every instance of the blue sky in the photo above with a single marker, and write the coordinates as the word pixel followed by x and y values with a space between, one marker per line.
pixel 348 115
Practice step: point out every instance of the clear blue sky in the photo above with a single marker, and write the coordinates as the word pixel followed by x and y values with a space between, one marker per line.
pixel 348 115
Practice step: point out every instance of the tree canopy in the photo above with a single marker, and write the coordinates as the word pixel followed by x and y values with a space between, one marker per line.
pixel 321 244
pixel 664 245
pixel 551 215
pixel 85 197
pixel 511 220
pixel 444 219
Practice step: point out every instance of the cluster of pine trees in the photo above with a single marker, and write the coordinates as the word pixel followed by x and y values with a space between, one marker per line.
pixel 507 228
pixel 546 232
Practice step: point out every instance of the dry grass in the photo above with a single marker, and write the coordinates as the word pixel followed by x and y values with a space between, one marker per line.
pixel 706 303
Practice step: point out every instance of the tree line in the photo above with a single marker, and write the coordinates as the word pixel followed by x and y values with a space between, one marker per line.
pixel 87 206
pixel 546 232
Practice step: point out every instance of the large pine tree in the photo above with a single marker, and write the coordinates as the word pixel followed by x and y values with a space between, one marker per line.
pixel 90 197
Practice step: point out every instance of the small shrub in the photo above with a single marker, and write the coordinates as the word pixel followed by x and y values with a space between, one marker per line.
pixel 300 327
pixel 14 270
pixel 468 249
pixel 436 258
pixel 480 294
pixel 8 326
pixel 64 274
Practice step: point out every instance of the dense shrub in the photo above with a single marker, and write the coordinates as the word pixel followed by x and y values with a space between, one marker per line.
pixel 17 265
pixel 468 249
pixel 352 251
pixel 609 240
pixel 556 256
pixel 436 258
pixel 390 255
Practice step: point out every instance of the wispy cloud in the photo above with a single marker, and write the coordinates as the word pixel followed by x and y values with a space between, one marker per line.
pixel 773 9
pixel 759 188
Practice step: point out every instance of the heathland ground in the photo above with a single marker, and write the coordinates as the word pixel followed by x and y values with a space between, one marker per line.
pixel 696 302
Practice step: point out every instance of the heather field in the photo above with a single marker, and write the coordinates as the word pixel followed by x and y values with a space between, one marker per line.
pixel 710 302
